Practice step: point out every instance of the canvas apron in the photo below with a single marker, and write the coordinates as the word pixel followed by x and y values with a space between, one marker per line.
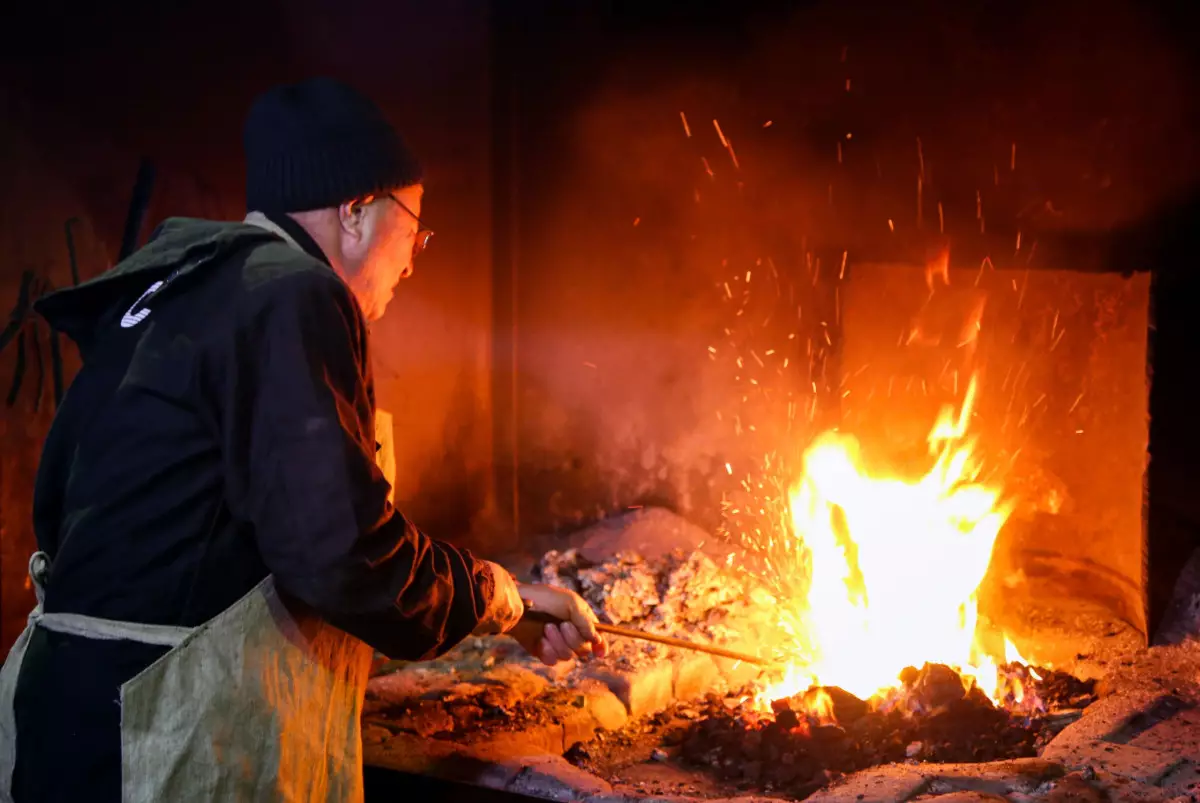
pixel 257 704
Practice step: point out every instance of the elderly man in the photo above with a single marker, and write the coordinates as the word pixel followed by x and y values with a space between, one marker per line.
pixel 217 552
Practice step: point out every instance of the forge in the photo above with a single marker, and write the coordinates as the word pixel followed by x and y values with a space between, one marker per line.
pixel 951 587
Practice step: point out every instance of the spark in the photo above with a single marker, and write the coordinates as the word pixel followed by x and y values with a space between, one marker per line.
pixel 720 134
pixel 920 203
pixel 687 130
pixel 986 263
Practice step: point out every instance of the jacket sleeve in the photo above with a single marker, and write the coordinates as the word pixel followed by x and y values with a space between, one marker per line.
pixel 298 425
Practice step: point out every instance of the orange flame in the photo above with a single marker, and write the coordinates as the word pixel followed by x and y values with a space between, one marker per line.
pixel 895 565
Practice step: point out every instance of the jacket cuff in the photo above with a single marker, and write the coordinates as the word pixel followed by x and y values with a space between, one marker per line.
pixel 505 607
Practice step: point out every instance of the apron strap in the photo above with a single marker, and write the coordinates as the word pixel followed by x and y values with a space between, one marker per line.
pixel 93 627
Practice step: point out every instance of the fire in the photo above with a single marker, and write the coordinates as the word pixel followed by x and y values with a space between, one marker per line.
pixel 894 565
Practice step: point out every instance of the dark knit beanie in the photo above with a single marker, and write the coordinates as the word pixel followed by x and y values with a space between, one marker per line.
pixel 318 144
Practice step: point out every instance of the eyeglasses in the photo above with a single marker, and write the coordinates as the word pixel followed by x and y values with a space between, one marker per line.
pixel 424 233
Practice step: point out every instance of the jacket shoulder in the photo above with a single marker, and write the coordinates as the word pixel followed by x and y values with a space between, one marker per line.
pixel 276 274
pixel 275 262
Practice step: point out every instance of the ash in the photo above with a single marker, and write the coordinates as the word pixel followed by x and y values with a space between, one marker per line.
pixel 680 594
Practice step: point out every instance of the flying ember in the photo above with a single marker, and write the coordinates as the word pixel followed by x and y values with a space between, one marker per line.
pixel 893 565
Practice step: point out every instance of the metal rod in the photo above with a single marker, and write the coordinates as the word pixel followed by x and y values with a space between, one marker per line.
pixel 71 250
pixel 683 644
pixel 139 204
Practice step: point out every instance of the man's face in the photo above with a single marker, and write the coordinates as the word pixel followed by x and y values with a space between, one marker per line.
pixel 378 242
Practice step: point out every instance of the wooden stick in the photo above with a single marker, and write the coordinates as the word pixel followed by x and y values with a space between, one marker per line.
pixel 682 644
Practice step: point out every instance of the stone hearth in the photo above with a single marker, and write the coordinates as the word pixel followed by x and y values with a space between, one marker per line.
pixel 1141 742
pixel 488 715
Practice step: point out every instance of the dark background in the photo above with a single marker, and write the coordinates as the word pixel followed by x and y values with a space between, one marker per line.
pixel 545 365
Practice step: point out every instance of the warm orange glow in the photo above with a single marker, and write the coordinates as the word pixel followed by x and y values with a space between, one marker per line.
pixel 894 565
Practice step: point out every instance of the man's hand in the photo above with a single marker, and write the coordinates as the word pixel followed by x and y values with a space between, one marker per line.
pixel 575 636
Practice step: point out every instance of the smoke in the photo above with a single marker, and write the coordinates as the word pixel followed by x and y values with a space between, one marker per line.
pixel 842 133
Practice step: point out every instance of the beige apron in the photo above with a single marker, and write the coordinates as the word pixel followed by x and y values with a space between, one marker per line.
pixel 258 704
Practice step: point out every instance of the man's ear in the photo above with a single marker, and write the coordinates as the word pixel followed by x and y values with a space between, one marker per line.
pixel 351 215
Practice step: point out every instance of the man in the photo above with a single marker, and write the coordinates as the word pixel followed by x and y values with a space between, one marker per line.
pixel 217 549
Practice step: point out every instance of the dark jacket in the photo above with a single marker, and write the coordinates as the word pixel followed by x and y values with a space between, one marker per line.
pixel 221 428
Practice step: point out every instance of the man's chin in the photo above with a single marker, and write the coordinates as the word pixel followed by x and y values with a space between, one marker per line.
pixel 378 308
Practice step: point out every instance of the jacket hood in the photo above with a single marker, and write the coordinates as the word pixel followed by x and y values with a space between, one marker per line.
pixel 180 246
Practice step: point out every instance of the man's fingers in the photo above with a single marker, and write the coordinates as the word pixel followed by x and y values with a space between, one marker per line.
pixel 554 637
pixel 584 623
pixel 575 642
pixel 599 646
